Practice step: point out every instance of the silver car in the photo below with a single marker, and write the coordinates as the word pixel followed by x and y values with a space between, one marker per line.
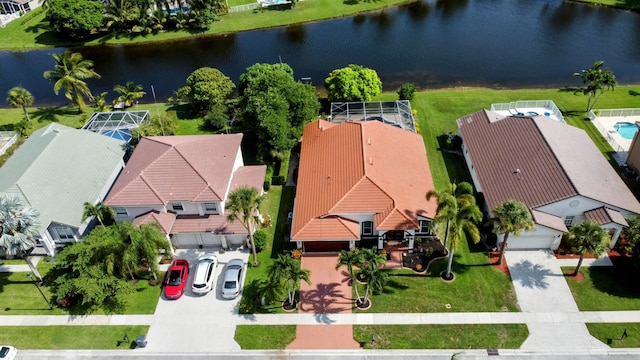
pixel 204 274
pixel 232 279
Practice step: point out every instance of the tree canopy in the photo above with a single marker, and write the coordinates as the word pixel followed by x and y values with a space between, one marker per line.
pixel 207 88
pixel 74 19
pixel 243 204
pixel 587 237
pixel 595 81
pixel 511 217
pixel 69 73
pixel 20 97
pixel 353 83
pixel 19 225
pixel 275 107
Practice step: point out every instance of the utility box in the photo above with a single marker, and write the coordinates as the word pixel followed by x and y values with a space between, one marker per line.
pixel 141 341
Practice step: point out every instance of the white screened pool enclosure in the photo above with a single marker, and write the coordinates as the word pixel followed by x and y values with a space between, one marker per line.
pixel 609 121
pixel 116 124
pixel 545 108
pixel 395 113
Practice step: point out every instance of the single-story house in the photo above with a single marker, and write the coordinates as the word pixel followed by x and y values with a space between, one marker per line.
pixel 56 171
pixel 361 183
pixel 553 168
pixel 182 183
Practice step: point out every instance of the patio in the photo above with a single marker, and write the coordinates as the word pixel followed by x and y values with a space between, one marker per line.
pixel 417 259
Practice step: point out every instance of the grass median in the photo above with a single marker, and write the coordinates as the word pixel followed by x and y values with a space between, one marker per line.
pixel 71 337
pixel 619 335
pixel 605 288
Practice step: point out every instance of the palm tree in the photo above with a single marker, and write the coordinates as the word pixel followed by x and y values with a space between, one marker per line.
pixel 70 72
pixel 244 205
pixel 511 217
pixel 376 279
pixel 18 227
pixel 350 258
pixel 596 80
pixel 463 224
pixel 287 269
pixel 372 259
pixel 100 102
pixel 454 196
pixel 129 93
pixel 587 237
pixel 19 97
pixel 104 214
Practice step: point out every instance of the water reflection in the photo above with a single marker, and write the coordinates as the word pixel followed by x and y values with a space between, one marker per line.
pixel 448 7
pixel 417 10
pixel 295 33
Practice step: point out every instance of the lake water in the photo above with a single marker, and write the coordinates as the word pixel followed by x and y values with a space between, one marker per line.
pixel 494 43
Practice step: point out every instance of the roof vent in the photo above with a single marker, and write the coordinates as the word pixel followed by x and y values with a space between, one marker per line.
pixel 369 141
pixel 370 161
pixel 516 171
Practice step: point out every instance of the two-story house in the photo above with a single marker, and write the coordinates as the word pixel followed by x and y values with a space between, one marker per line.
pixel 361 184
pixel 182 183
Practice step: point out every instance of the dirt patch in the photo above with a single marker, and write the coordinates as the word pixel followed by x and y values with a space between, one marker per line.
pixel 569 274
pixel 494 257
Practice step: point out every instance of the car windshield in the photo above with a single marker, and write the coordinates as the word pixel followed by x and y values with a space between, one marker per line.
pixel 174 278
pixel 229 284
pixel 4 351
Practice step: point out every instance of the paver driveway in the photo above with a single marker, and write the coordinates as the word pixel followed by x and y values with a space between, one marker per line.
pixel 206 323
pixel 329 292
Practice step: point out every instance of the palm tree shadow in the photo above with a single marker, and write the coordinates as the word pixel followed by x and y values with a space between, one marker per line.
pixel 52 114
pixel 530 275
pixel 324 299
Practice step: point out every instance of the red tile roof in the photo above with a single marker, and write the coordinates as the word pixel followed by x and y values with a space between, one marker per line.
pixel 359 167
pixel 177 168
pixel 605 215
pixel 165 220
pixel 539 161
pixel 209 223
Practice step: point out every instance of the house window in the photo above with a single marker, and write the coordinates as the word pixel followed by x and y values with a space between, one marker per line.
pixel 210 207
pixel 367 228
pixel 120 211
pixel 62 233
pixel 568 220
pixel 425 226
pixel 177 207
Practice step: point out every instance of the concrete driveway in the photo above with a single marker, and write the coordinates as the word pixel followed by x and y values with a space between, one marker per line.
pixel 541 288
pixel 206 323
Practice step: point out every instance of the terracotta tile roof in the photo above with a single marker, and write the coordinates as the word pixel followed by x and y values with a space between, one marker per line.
pixel 360 167
pixel 210 223
pixel 539 161
pixel 604 215
pixel 548 220
pixel 177 168
pixel 252 176
pixel 165 220
pixel 330 228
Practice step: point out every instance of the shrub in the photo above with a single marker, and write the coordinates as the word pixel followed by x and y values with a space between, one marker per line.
pixel 267 185
pixel 278 180
pixel 406 91
pixel 260 240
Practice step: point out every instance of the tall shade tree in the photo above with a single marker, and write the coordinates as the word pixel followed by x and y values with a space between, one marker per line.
pixel 74 19
pixel 69 73
pixel 587 237
pixel 205 89
pixel 104 214
pixel 511 217
pixel 448 200
pixel 462 225
pixel 18 226
pixel 595 81
pixel 353 83
pixel 19 97
pixel 129 93
pixel 350 258
pixel 285 269
pixel 243 205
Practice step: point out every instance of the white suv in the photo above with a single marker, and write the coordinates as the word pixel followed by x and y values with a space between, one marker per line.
pixel 7 352
pixel 205 272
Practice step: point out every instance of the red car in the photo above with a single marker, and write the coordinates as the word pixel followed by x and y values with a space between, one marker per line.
pixel 176 279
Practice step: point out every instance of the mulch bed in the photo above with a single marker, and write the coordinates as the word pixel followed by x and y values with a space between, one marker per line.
pixel 494 256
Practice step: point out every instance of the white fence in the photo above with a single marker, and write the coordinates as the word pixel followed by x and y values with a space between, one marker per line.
pixel 10 136
pixel 7 18
pixel 547 104
pixel 613 112
pixel 245 7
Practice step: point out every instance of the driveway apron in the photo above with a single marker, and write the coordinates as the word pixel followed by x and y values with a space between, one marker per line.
pixel 329 293
pixel 542 288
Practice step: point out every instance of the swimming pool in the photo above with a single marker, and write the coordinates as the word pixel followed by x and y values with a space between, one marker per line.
pixel 626 129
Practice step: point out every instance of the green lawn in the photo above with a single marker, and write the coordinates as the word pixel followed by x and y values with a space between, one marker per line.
pixel 605 289
pixel 35 33
pixel 477 287
pixel 611 334
pixel 70 337
pixel 494 336
pixel 256 337
pixel 622 4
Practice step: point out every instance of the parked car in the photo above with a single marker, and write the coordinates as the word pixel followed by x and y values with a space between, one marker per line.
pixel 204 275
pixel 232 279
pixel 176 279
pixel 7 352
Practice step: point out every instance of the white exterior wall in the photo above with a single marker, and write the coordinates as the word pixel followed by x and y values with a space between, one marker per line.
pixel 540 238
pixel 472 170
pixel 360 218
pixel 576 206
pixel 135 211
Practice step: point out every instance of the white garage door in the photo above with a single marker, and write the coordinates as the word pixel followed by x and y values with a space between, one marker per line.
pixel 193 240
pixel 530 242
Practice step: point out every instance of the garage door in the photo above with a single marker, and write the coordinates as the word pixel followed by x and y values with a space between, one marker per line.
pixel 193 240
pixel 529 242
pixel 325 246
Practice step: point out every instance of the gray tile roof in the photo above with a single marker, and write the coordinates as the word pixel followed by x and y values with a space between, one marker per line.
pixel 59 168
